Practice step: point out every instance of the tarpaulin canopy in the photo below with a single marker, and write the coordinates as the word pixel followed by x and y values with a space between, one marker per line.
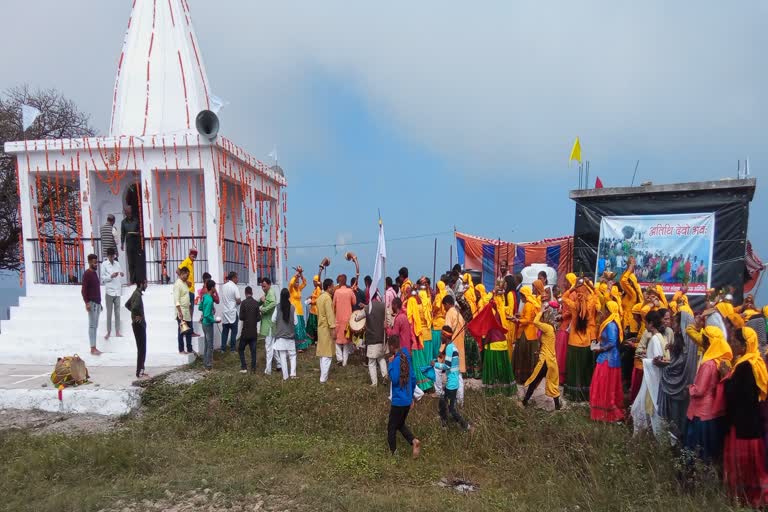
pixel 487 255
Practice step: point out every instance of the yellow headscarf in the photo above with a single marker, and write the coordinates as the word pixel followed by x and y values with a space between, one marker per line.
pixel 441 293
pixel 718 350
pixel 736 320
pixel 684 306
pixel 484 298
pixel 765 311
pixel 752 356
pixel 662 296
pixel 725 308
pixel 469 294
pixel 616 296
pixel 529 297
pixel 613 316
pixel 571 278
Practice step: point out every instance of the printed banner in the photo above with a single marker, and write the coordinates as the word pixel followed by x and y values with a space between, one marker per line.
pixel 669 249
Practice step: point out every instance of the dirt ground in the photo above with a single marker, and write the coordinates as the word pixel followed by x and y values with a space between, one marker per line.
pixel 205 499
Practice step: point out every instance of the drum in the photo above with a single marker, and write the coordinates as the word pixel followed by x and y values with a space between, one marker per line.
pixel 357 323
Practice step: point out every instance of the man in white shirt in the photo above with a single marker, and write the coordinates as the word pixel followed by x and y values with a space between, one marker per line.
pixel 112 278
pixel 230 299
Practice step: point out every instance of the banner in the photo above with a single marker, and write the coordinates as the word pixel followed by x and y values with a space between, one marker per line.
pixel 669 249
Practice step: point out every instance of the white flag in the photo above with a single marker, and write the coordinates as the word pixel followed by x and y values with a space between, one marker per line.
pixel 273 154
pixel 381 260
pixel 28 116
pixel 217 103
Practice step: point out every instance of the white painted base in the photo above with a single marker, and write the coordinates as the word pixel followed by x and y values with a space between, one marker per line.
pixel 85 400
pixel 52 322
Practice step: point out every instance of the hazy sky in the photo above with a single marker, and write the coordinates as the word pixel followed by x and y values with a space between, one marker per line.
pixel 445 113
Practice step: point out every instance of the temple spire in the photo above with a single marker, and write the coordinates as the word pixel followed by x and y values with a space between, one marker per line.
pixel 161 83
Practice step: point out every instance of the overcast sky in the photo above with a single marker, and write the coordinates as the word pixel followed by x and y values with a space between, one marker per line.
pixel 445 113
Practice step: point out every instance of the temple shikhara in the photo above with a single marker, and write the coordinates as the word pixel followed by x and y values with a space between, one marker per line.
pixel 185 188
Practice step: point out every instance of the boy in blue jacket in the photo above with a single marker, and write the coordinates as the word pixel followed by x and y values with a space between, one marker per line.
pixel 448 361
pixel 403 380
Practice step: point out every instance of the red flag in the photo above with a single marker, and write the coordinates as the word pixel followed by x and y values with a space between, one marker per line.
pixel 598 183
pixel 484 323
pixel 753 268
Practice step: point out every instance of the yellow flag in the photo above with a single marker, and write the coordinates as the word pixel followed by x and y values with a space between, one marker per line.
pixel 576 151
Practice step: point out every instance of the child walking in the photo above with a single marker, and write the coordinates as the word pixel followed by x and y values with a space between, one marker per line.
pixel 403 381
pixel 206 307
pixel 448 361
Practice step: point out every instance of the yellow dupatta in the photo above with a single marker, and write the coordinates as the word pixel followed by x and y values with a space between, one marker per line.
pixel 718 349
pixel 752 356
pixel 613 309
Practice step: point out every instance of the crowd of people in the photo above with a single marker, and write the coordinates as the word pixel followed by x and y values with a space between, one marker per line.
pixel 697 380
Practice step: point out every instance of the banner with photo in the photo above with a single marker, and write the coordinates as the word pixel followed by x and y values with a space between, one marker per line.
pixel 669 249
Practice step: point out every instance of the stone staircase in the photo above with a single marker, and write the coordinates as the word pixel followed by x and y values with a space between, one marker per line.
pixel 51 322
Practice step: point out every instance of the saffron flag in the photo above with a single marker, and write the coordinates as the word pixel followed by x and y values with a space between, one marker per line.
pixel 485 322
pixel 598 182
pixel 379 266
pixel 576 151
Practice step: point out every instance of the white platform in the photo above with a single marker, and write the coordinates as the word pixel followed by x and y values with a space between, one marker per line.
pixel 111 391
pixel 52 322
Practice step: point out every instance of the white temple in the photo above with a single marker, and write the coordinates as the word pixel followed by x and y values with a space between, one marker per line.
pixel 190 191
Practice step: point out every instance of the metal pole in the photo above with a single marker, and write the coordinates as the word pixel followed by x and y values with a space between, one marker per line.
pixel 634 174
pixel 434 264
pixel 450 257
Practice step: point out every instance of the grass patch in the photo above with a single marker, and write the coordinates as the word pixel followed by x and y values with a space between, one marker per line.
pixel 325 446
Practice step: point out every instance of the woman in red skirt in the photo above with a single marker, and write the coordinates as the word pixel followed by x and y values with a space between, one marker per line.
pixel 744 464
pixel 606 395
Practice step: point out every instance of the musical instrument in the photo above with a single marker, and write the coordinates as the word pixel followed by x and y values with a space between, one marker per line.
pixel 357 323
pixel 325 263
pixel 464 308
pixel 350 256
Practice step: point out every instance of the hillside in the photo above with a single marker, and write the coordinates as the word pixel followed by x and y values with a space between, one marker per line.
pixel 256 443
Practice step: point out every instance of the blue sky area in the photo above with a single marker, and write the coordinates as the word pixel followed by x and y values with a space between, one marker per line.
pixel 464 119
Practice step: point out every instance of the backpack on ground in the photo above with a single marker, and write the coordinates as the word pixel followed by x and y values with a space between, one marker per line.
pixel 70 371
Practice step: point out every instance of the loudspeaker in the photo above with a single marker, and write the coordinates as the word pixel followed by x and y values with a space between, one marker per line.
pixel 207 124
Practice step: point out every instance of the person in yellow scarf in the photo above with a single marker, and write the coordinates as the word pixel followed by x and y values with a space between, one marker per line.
pixel 683 306
pixel 471 346
pixel 724 307
pixel 497 369
pixel 470 295
pixel 425 297
pixel 510 311
pixel 632 295
pixel 606 394
pixel 674 304
pixel 312 319
pixel 580 301
pixel 546 366
pixel 295 286
pixel 746 386
pixel 438 317
pixel 748 309
pixel 415 314
pixel 484 298
pixel 561 337
pixel 704 410
pixel 524 357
